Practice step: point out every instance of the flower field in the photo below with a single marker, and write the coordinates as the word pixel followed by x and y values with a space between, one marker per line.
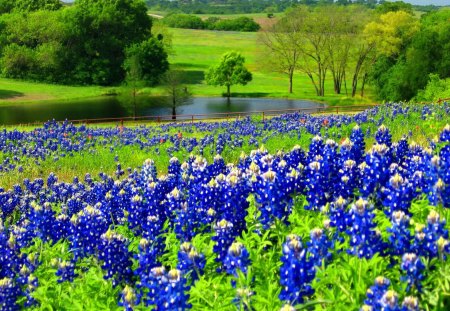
pixel 295 212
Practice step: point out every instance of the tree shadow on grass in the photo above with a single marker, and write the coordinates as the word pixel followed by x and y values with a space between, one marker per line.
pixel 5 94
pixel 192 76
pixel 248 95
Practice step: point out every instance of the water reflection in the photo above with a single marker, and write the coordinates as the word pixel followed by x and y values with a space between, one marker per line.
pixel 114 107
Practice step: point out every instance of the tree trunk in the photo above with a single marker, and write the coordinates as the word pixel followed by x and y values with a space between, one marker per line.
pixel 363 84
pixel 291 77
pixel 174 112
pixel 134 103
pixel 228 91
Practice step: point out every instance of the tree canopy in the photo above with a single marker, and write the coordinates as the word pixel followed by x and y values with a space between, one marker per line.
pixel 230 71
pixel 84 43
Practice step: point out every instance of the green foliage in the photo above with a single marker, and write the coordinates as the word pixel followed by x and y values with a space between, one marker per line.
pixel 184 21
pixel 435 89
pixel 7 6
pixel 241 23
pixel 388 6
pixel 81 44
pixel 146 61
pixel 230 71
pixel 400 75
pixel 237 24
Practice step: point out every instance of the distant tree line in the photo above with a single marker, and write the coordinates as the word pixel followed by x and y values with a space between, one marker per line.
pixel 268 6
pixel 241 23
pixel 390 48
pixel 89 42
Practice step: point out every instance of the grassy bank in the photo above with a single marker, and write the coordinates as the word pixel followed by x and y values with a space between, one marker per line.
pixel 17 91
pixel 195 51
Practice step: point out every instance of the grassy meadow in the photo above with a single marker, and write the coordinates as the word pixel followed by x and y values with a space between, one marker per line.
pixel 194 52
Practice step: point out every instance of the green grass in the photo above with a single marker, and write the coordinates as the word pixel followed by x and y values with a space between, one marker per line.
pixel 196 50
pixel 17 91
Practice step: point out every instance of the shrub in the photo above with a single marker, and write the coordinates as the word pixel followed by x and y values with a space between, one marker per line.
pixel 184 21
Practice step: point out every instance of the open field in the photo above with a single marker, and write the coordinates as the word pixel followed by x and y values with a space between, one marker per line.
pixel 17 91
pixel 196 50
pixel 294 212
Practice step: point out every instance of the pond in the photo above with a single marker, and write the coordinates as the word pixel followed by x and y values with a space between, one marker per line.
pixel 115 107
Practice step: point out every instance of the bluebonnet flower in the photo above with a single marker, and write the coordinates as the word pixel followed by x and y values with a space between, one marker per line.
pixel 376 292
pixel 148 172
pixel 445 134
pixel 383 136
pixel 66 270
pixel 374 171
pixel 426 237
pixel 41 220
pixel 413 267
pixel 9 294
pixel 296 273
pixel 410 303
pixel 317 185
pixel 271 197
pixel 113 252
pixel 348 175
pixel 128 298
pixel 319 247
pixel 398 195
pixel 237 258
pixel 365 240
pixel 190 262
pixel 338 215
pixel 315 148
pixel 358 144
pixel 389 301
pixel 224 237
pixel 175 295
pixel 243 298
pixel 87 227
pixel 400 236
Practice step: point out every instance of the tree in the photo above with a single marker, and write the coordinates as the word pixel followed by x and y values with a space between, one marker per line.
pixel 99 32
pixel 230 71
pixel 176 91
pixel 150 59
pixel 7 6
pixel 144 64
pixel 315 34
pixel 283 43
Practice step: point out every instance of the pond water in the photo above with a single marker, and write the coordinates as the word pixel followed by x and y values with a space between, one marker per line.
pixel 115 107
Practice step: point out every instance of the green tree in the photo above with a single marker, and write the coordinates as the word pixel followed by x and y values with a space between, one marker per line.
pixel 283 45
pixel 99 32
pixel 144 64
pixel 176 92
pixel 147 60
pixel 7 6
pixel 230 71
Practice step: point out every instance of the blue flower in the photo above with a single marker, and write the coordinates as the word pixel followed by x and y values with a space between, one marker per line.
pixel 296 273
pixel 128 298
pixel 413 267
pixel 190 262
pixel 365 240
pixel 375 292
pixel 237 258
pixel 319 247
pixel 9 294
pixel 400 236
